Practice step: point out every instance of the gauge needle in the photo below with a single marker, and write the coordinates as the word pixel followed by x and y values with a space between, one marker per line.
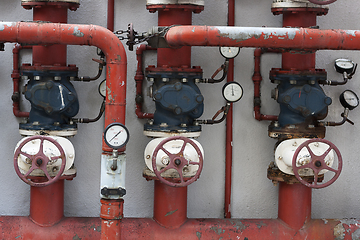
pixel 232 90
pixel 115 136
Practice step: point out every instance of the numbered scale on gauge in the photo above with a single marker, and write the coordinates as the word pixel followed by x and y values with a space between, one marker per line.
pixel 232 91
pixel 229 52
pixel 344 65
pixel 116 135
pixel 349 99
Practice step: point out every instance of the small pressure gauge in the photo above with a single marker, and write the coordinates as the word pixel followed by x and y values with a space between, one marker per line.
pixel 344 65
pixel 349 99
pixel 102 88
pixel 116 135
pixel 229 52
pixel 232 91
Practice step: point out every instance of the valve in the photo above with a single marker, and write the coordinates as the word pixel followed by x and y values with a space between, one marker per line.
pixel 177 161
pixel 316 163
pixel 39 161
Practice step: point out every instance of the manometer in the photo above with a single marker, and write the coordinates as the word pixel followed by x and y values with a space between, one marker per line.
pixel 232 91
pixel 116 135
pixel 229 52
pixel 344 65
pixel 349 99
pixel 102 88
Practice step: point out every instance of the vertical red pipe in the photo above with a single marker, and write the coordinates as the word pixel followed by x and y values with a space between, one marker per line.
pixel 52 54
pixel 47 204
pixel 110 15
pixel 170 205
pixel 229 125
pixel 111 215
pixel 171 57
pixel 294 204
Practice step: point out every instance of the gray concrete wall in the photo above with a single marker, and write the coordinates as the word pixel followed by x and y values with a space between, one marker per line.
pixel 254 196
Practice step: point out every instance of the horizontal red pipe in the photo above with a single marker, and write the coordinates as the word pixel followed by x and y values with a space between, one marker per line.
pixel 72 34
pixel 143 228
pixel 288 38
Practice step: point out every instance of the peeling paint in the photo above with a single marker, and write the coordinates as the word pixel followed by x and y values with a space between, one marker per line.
pixel 351 32
pixel 198 234
pixel 238 225
pixel 18 236
pixel 76 237
pixel 217 230
pixel 244 33
pixel 260 225
pixel 77 32
pixel 325 221
pixel 356 235
pixel 3 24
pixel 339 232
pixel 170 213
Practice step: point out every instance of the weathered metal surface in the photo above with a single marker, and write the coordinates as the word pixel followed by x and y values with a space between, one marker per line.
pixel 54 33
pixel 303 130
pixel 288 38
pixel 111 215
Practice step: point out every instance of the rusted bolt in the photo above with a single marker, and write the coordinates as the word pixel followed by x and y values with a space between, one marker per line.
pixel 177 162
pixel 165 79
pixel 147 156
pixel 57 78
pixel 54 169
pixel 39 162
pixel 27 160
pixel 186 170
pixel 280 158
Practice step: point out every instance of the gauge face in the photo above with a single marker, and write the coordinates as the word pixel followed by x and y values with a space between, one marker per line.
pixel 229 52
pixel 344 65
pixel 102 88
pixel 349 99
pixel 232 91
pixel 116 135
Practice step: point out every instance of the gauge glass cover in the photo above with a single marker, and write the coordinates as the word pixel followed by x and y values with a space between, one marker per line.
pixel 229 52
pixel 232 91
pixel 102 88
pixel 349 99
pixel 344 63
pixel 116 135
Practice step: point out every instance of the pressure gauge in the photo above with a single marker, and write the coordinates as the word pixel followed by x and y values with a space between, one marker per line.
pixel 344 65
pixel 229 52
pixel 116 135
pixel 232 91
pixel 349 99
pixel 102 88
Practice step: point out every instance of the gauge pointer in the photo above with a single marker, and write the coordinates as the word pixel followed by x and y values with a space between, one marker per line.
pixel 115 136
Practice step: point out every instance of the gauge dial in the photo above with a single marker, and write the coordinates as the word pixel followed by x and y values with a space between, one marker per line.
pixel 349 99
pixel 116 135
pixel 344 65
pixel 102 88
pixel 232 91
pixel 229 52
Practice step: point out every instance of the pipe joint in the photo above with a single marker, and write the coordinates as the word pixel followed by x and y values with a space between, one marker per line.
pixel 111 209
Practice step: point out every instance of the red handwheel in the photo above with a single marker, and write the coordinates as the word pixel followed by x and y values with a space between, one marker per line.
pixel 317 163
pixel 319 2
pixel 39 161
pixel 177 162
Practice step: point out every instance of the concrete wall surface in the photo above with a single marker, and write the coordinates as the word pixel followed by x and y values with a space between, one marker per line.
pixel 254 195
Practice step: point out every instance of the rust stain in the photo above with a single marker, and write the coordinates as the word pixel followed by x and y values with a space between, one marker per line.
pixel 171 212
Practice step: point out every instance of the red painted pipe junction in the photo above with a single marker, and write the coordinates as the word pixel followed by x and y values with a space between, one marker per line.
pixel 287 38
pixel 72 34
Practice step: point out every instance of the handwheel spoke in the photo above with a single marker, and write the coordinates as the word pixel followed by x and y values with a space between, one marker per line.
pixel 26 155
pixel 330 169
pixel 326 153
pixel 165 169
pixel 310 151
pixel 183 147
pixel 167 152
pixel 194 163
pixel 181 175
pixel 44 169
pixel 30 171
pixel 41 145
pixel 304 166
pixel 315 179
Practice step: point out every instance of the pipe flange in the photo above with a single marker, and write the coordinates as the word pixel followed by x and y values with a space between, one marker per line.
pixel 73 5
pixel 186 5
pixel 281 6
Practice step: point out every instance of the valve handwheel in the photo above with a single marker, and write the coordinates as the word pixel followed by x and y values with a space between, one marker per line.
pixel 177 162
pixel 39 161
pixel 317 163
pixel 319 2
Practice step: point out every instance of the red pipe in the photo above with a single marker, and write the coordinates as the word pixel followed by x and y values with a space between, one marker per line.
pixel 111 218
pixel 16 81
pixel 139 79
pixel 55 33
pixel 170 205
pixel 110 15
pixel 257 78
pixel 47 204
pixel 229 125
pixel 288 38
